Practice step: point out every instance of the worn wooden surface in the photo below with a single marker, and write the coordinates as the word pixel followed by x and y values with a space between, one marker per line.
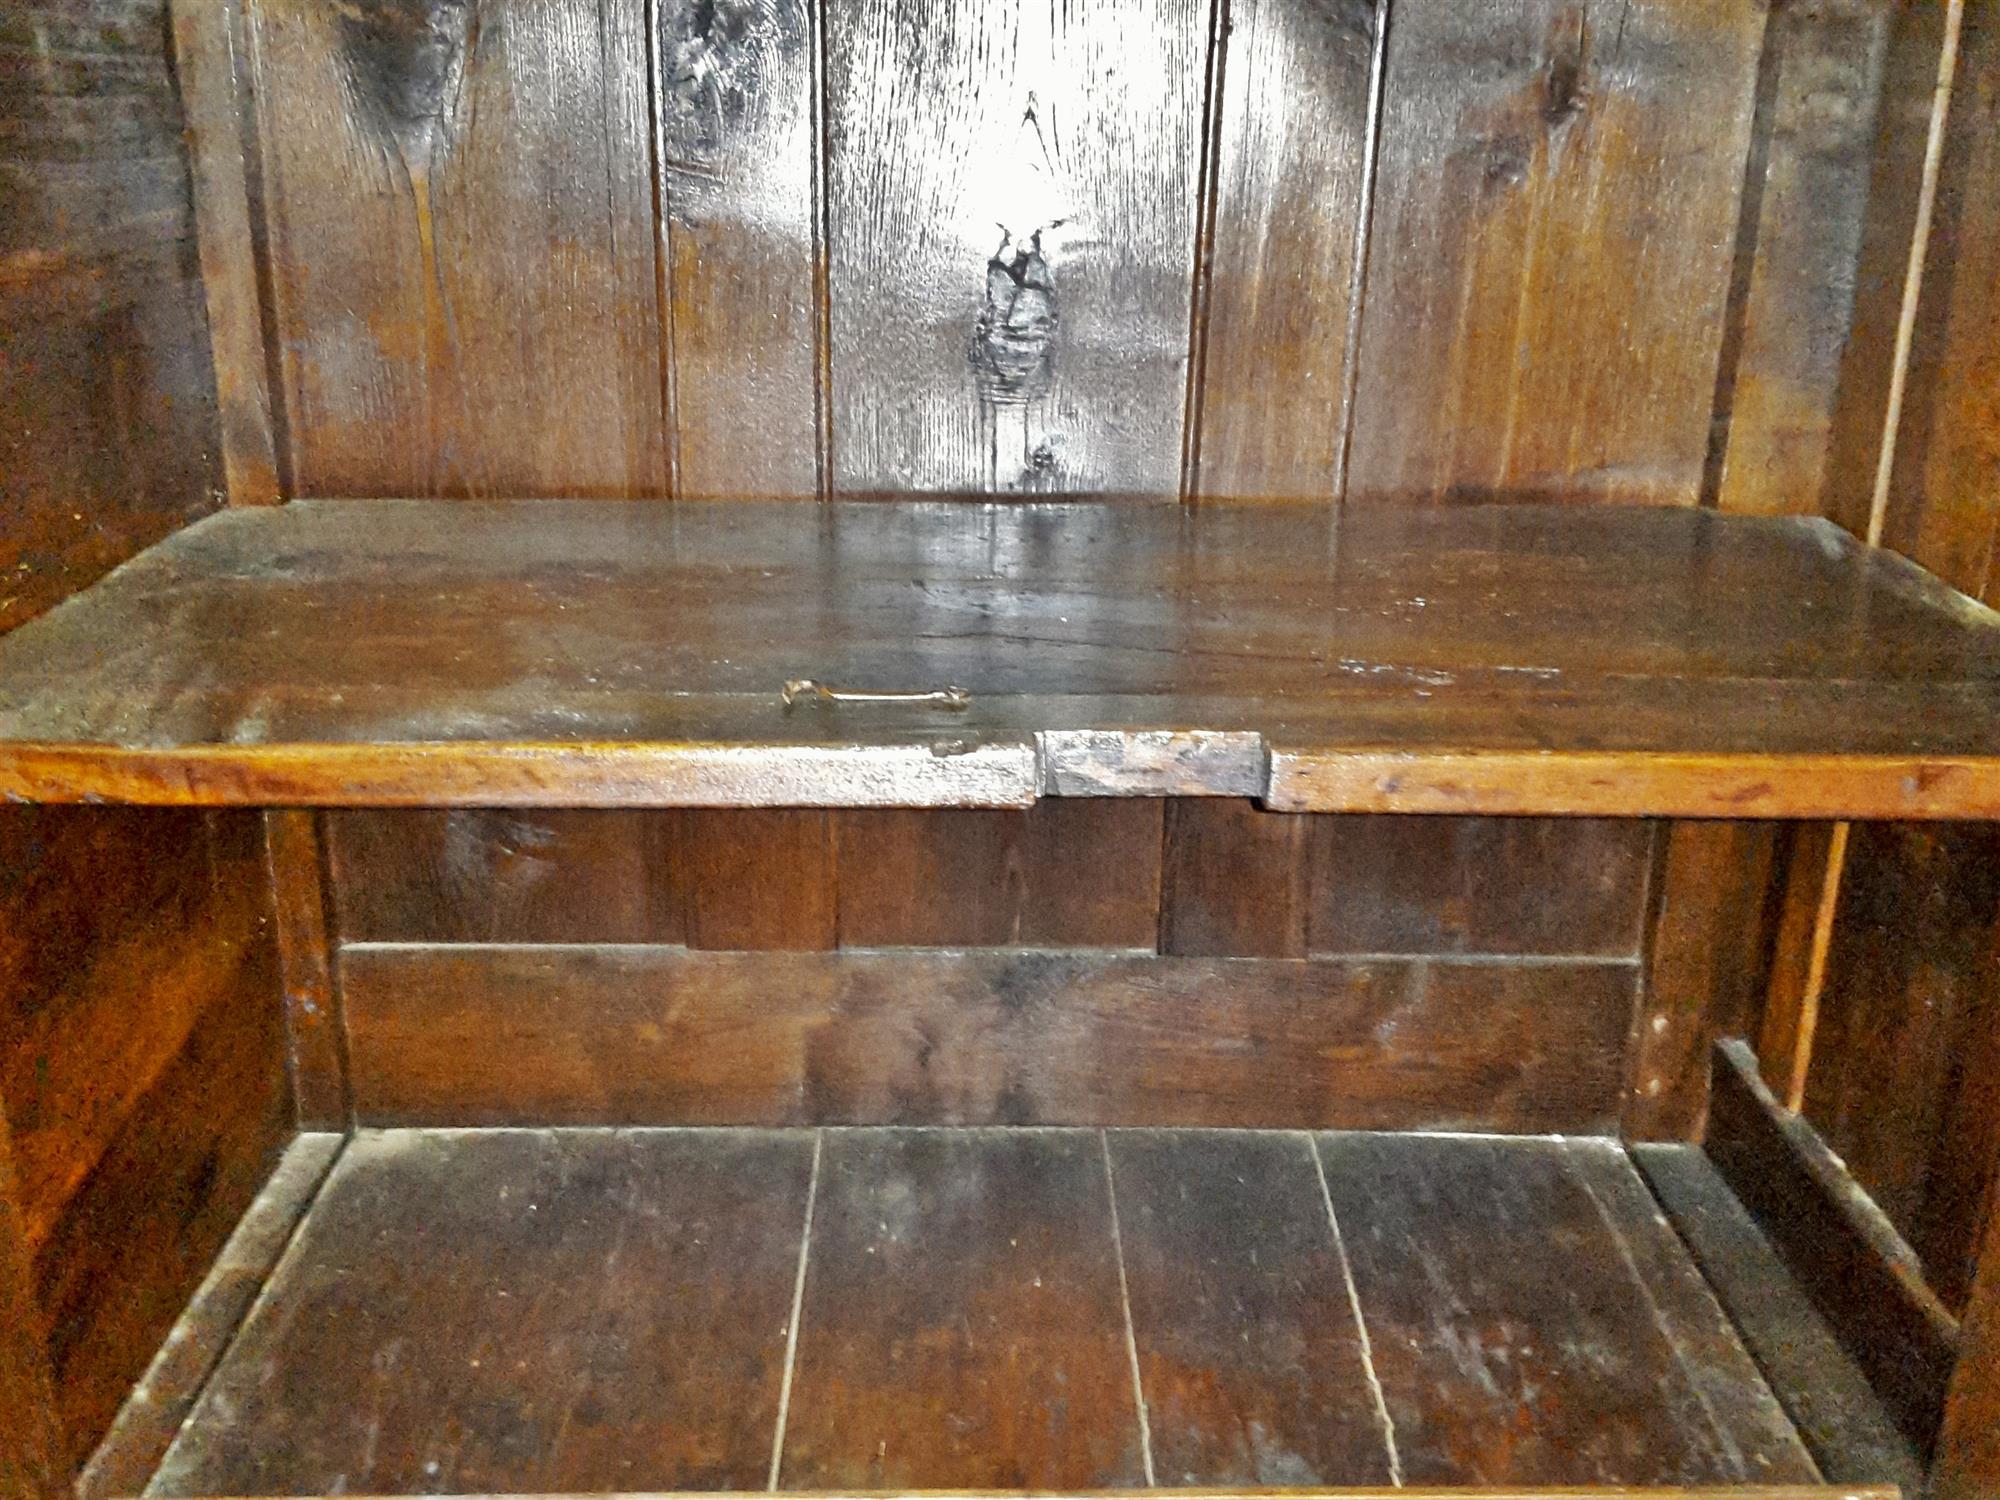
pixel 1555 203
pixel 491 1035
pixel 1490 659
pixel 304 933
pixel 163 1397
pixel 1808 897
pixel 107 401
pixel 1968 1456
pixel 1849 1258
pixel 1852 1437
pixel 33 1452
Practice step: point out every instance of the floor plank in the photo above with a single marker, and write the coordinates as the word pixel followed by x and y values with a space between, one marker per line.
pixel 962 1324
pixel 517 1311
pixel 1248 1348
pixel 1530 1324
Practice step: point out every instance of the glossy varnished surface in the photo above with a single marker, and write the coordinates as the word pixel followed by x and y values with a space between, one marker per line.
pixel 1497 659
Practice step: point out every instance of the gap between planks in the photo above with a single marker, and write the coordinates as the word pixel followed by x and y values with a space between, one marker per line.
pixel 1382 1417
pixel 798 1309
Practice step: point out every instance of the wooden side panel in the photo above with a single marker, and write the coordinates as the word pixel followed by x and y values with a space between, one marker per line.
pixel 315 1033
pixel 1555 206
pixel 1011 208
pixel 32 1450
pixel 647 1035
pixel 738 169
pixel 1010 1373
pixel 107 397
pixel 462 235
pixel 1288 180
pixel 1968 1455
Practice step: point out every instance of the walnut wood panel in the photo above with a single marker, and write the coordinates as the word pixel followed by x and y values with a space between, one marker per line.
pixel 1848 1256
pixel 1234 880
pixel 1010 211
pixel 1806 209
pixel 763 881
pixel 107 399
pixel 1902 1084
pixel 1555 204
pixel 1010 1372
pixel 315 1034
pixel 518 1310
pixel 464 1036
pixel 1573 659
pixel 1968 1456
pixel 1250 1353
pixel 734 88
pixel 180 1164
pixel 1287 184
pixel 32 1450
pixel 1553 1304
pixel 461 220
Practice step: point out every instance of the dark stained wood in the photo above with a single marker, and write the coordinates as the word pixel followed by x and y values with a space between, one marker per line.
pixel 1010 1371
pixel 476 875
pixel 1294 138
pixel 1554 210
pixel 212 70
pixel 762 880
pixel 1633 662
pixel 461 216
pixel 1533 886
pixel 303 928
pixel 1968 1455
pixel 107 400
pixel 737 162
pixel 160 1402
pixel 1082 874
pixel 1011 196
pixel 1234 881
pixel 516 1311
pixel 1704 963
pixel 1902 1085
pixel 1841 1420
pixel 32 1450
pixel 1848 1256
pixel 185 1161
pixel 656 1035
pixel 1811 205
pixel 1814 867
pixel 1249 1353
pixel 1533 1321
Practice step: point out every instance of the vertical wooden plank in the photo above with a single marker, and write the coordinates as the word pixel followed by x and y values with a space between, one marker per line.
pixel 758 879
pixel 215 90
pixel 1250 1353
pixel 1703 960
pixel 1291 164
pixel 1010 1371
pixel 1011 205
pixel 1233 880
pixel 1542 886
pixel 1967 1466
pixel 1096 864
pixel 31 1444
pixel 316 1035
pixel 1812 209
pixel 1554 212
pixel 1809 904
pixel 736 162
pixel 462 236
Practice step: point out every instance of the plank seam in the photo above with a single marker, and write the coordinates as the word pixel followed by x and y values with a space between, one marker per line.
pixel 1387 1422
pixel 798 1308
pixel 1125 1302
pixel 1364 230
pixel 662 252
pixel 1207 196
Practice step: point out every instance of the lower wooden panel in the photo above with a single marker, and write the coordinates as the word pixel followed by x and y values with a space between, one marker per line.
pixel 651 1035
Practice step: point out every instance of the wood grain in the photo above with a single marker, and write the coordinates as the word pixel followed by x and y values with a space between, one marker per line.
pixel 1289 183
pixel 1552 1305
pixel 320 652
pixel 1848 1256
pixel 1234 880
pixel 1011 208
pixel 107 398
pixel 303 929
pixel 464 1036
pixel 32 1447
pixel 1968 1454
pixel 1555 203
pixel 738 161
pixel 1249 1353
pixel 1809 904
pixel 765 880
pixel 461 223
pixel 1010 1372
pixel 516 1311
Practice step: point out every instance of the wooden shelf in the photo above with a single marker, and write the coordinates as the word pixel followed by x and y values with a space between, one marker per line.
pixel 1001 1311
pixel 1483 659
